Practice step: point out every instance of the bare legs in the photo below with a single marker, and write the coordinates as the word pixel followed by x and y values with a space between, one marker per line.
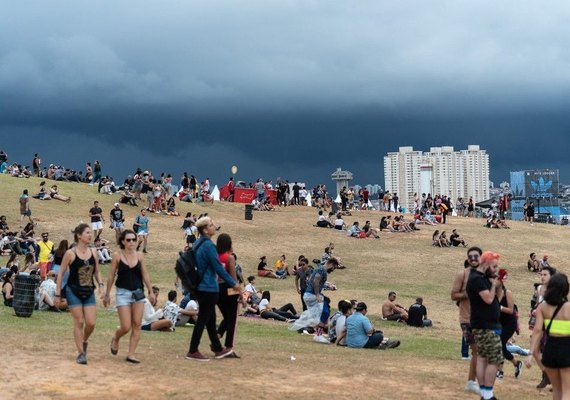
pixel 130 318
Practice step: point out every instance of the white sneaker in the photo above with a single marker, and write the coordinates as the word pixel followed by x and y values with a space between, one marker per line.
pixel 466 358
pixel 321 339
pixel 472 387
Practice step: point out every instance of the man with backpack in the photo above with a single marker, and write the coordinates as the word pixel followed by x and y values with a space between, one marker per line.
pixel 207 269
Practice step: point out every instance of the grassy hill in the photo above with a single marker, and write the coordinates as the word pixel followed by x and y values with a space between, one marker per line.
pixel 39 351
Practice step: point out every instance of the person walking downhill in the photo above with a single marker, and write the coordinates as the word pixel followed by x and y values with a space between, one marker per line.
pixel 207 293
pixel 228 299
pixel 81 261
pixel 129 268
pixel 485 321
pixel 141 223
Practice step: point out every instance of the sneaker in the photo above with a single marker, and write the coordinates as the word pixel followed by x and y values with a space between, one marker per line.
pixel 500 375
pixel 81 359
pixel 466 358
pixel 518 369
pixel 196 356
pixel 223 353
pixel 321 339
pixel 389 344
pixel 472 387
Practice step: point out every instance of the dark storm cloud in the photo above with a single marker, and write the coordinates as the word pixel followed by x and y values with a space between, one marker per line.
pixel 285 88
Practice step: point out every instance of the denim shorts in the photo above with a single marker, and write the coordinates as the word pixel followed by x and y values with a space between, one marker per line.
pixel 74 301
pixel 124 297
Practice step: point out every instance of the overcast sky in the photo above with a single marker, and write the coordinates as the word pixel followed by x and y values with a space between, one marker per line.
pixel 290 89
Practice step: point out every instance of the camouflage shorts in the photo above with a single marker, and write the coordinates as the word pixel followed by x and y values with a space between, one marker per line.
pixel 489 345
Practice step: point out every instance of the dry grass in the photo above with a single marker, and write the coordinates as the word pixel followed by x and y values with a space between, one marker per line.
pixel 426 366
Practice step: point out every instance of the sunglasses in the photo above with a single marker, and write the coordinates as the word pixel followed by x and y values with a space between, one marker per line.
pixel 131 240
pixel 475 257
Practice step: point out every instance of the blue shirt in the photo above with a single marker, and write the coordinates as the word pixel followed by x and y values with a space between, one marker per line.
pixel 209 266
pixel 357 328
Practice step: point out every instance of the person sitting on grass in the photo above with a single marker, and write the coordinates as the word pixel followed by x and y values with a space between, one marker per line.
pixel 443 240
pixel 8 288
pixel 286 313
pixel 371 232
pixel 435 239
pixel 103 251
pixel 533 264
pixel 54 194
pixel 323 221
pixel 355 231
pixel 417 315
pixel 281 267
pixel 456 239
pixel 263 271
pixel 173 312
pixel 360 333
pixel 337 326
pixel 392 311
pixel 46 293
pixel 153 320
pixel 339 223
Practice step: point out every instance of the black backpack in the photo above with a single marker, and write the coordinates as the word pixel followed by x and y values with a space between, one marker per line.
pixel 186 269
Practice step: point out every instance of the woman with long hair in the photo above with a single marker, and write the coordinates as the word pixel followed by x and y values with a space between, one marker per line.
pixel 228 299
pixel 553 320
pixel 207 292
pixel 81 261
pixel 129 268
pixel 58 255
pixel 8 288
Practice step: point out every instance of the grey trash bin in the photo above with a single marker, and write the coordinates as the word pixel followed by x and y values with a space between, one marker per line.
pixel 25 294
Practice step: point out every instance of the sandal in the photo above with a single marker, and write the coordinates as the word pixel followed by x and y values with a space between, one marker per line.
pixel 114 350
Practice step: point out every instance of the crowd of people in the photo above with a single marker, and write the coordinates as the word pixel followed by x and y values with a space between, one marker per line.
pixel 71 278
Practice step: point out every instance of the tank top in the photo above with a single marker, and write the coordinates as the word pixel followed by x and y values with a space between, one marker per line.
pixel 507 319
pixel 8 302
pixel 81 271
pixel 224 257
pixel 128 277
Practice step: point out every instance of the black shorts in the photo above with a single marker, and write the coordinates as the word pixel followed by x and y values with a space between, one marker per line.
pixel 146 327
pixel 556 352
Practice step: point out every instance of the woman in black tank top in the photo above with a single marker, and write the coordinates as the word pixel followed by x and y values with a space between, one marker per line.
pixel 128 267
pixel 83 272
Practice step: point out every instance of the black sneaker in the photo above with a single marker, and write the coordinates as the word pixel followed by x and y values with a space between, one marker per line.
pixel 518 369
pixel 500 375
pixel 81 359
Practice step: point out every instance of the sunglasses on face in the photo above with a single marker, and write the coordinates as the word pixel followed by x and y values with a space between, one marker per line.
pixel 473 257
pixel 130 239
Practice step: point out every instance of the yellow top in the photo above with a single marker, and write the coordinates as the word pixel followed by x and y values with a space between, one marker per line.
pixel 45 250
pixel 559 327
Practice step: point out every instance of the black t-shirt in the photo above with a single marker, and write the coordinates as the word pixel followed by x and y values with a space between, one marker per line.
pixel 296 189
pixel 416 314
pixel 261 266
pixel 95 210
pixel 483 315
pixel 117 214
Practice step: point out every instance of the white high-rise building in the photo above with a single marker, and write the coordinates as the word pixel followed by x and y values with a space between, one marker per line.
pixel 442 170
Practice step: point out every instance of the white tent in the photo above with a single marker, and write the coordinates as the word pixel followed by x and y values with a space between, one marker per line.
pixel 338 200
pixel 308 199
pixel 216 193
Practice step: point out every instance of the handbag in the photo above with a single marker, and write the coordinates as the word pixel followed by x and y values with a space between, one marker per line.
pixel 138 294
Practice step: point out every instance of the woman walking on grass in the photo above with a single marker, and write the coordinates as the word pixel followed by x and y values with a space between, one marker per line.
pixel 80 289
pixel 129 269
pixel 228 299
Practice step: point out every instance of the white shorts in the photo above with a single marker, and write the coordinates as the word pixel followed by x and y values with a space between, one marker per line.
pixel 96 226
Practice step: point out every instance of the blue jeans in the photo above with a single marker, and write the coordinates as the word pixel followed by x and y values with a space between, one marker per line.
pixel 374 340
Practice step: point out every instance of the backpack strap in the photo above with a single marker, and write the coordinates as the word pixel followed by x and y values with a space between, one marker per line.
pixel 547 330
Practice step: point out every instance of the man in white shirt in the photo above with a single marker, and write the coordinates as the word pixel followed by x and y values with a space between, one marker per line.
pixel 153 320
pixel 46 293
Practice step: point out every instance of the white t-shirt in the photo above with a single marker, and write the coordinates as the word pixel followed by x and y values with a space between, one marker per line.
pixel 339 222
pixel 322 218
pixel 263 305
pixel 192 305
pixel 149 314
pixel 340 326
pixel 250 288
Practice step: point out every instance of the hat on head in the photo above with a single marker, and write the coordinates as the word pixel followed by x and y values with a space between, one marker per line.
pixel 502 274
pixel 117 204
